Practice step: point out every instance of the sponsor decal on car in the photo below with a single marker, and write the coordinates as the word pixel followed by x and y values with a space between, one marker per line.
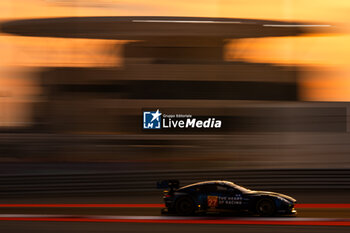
pixel 236 200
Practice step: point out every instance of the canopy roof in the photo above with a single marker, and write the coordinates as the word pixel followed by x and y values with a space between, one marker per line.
pixel 148 28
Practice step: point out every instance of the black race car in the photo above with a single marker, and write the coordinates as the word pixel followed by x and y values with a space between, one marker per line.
pixel 223 196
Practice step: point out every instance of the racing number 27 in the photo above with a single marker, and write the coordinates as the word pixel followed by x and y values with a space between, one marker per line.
pixel 212 201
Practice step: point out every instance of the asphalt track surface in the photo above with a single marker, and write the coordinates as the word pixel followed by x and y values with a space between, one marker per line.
pixel 317 212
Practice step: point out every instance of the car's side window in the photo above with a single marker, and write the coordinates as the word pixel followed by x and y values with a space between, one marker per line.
pixel 211 188
pixel 215 188
pixel 222 188
pixel 227 189
pixel 207 188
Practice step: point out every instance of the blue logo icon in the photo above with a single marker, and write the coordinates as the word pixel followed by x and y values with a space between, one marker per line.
pixel 152 120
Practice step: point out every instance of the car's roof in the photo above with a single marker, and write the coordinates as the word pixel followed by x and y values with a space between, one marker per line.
pixel 221 182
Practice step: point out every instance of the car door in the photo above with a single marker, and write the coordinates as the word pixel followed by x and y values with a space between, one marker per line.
pixel 229 198
pixel 211 195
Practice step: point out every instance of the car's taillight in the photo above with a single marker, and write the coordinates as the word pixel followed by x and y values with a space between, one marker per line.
pixel 167 194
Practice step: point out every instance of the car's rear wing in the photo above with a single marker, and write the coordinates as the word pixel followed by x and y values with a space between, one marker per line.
pixel 168 184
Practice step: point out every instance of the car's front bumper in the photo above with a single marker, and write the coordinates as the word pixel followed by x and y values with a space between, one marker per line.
pixel 290 212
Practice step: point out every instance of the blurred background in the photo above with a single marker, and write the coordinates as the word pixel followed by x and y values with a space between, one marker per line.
pixel 74 106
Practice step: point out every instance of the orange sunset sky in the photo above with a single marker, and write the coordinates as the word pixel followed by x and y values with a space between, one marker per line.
pixel 328 54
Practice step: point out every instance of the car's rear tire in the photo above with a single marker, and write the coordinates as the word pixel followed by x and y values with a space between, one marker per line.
pixel 265 207
pixel 185 206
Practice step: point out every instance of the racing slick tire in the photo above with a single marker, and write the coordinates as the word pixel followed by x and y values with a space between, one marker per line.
pixel 265 207
pixel 185 206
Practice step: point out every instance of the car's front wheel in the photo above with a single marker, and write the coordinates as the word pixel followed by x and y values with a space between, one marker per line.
pixel 185 206
pixel 265 207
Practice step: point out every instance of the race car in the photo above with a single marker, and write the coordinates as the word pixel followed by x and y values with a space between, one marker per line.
pixel 222 197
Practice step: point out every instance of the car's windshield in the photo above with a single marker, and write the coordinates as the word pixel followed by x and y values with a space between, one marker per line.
pixel 240 188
